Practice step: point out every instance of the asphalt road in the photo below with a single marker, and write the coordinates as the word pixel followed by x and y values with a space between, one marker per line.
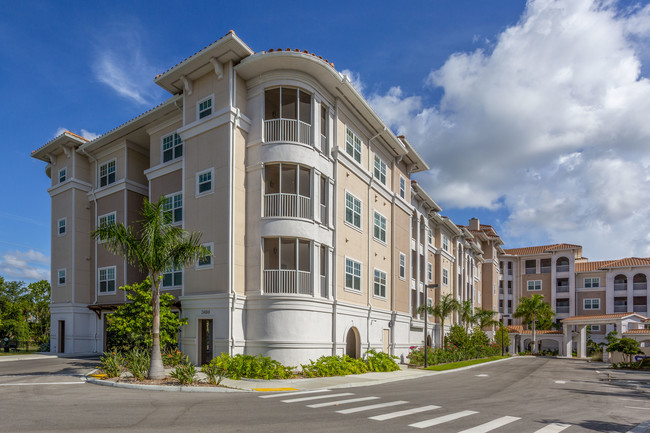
pixel 518 395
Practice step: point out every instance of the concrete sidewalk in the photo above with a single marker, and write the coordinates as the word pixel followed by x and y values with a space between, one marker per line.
pixel 45 355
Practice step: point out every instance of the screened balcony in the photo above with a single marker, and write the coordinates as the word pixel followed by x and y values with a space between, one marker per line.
pixel 287 266
pixel 562 285
pixel 620 282
pixel 620 305
pixel 562 306
pixel 562 265
pixel 287 191
pixel 640 282
pixel 545 266
pixel 531 266
pixel 288 116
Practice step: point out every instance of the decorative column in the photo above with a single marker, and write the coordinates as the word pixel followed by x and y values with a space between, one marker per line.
pixel 568 341
pixel 582 343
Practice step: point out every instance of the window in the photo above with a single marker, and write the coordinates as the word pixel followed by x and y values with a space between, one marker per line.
pixel 172 147
pixel 353 145
pixel 445 277
pixel 61 277
pixel 380 227
pixel 352 210
pixel 61 227
pixel 204 182
pixel 402 266
pixel 380 284
pixel 107 173
pixel 173 208
pixel 352 275
pixel 107 280
pixel 205 107
pixel 535 285
pixel 592 282
pixel 402 187
pixel 592 304
pixel 173 277
pixel 445 243
pixel 62 175
pixel 429 272
pixel 380 170
pixel 206 261
pixel 595 328
pixel 429 237
pixel 109 218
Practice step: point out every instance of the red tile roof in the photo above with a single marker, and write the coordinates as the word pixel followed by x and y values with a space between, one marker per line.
pixel 637 331
pixel 603 316
pixel 629 261
pixel 591 266
pixel 539 249
pixel 519 329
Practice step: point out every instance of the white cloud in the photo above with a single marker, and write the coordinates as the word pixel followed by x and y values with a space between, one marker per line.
pixel 551 123
pixel 88 135
pixel 120 64
pixel 354 78
pixel 30 265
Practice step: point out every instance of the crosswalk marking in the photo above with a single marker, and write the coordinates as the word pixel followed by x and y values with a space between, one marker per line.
pixel 403 413
pixel 372 406
pixel 336 403
pixel 284 394
pixel 318 397
pixel 553 428
pixel 442 419
pixel 489 426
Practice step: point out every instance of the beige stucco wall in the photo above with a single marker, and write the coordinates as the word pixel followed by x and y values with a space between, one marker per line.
pixel 155 141
pixel 166 184
pixel 581 296
pixel 402 245
pixel 207 85
pixel 137 163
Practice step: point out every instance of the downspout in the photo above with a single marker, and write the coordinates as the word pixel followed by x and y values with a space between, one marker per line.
pixel 231 204
pixel 393 308
pixel 334 214
pixel 92 192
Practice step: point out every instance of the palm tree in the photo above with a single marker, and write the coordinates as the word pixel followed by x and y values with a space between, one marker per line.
pixel 485 318
pixel 155 247
pixel 534 309
pixel 444 308
pixel 466 313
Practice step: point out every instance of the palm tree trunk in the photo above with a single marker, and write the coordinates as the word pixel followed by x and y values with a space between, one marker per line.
pixel 442 332
pixel 534 340
pixel 156 368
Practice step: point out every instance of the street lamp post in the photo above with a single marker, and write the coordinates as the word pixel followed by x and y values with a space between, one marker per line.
pixel 426 316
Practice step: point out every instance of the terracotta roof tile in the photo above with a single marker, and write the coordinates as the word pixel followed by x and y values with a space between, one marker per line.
pixel 296 50
pixel 539 249
pixel 591 266
pixel 519 329
pixel 602 316
pixel 637 331
pixel 629 261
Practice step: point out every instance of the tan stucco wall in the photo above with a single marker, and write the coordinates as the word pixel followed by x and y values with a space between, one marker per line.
pixel 402 245
pixel 208 84
pixel 166 184
pixel 155 142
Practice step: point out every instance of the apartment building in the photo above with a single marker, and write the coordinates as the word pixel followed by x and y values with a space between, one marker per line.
pixel 573 285
pixel 322 243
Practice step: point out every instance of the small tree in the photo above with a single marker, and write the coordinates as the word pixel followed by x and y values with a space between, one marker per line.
pixel 466 313
pixel 502 337
pixel 628 347
pixel 129 327
pixel 534 309
pixel 485 318
pixel 444 308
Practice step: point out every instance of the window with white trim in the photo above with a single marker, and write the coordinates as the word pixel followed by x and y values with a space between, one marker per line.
pixel 380 170
pixel 591 304
pixel 352 275
pixel 63 175
pixel 106 219
pixel 206 262
pixel 106 279
pixel 429 236
pixel 429 272
pixel 353 145
pixel 592 282
pixel 445 277
pixel 61 227
pixel 379 231
pixel 204 182
pixel 379 289
pixel 173 277
pixel 534 285
pixel 107 173
pixel 172 147
pixel 173 208
pixel 205 107
pixel 402 187
pixel 352 210
pixel 402 266
pixel 61 277
pixel 595 328
pixel 445 243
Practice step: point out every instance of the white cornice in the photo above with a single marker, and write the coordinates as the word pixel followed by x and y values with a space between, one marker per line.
pixel 67 185
pixel 351 165
pixel 163 169
pixel 217 119
pixel 166 124
pixel 118 186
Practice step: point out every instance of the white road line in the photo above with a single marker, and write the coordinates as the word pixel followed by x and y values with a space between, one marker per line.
pixel 442 419
pixel 641 428
pixel 482 375
pixel 403 413
pixel 336 403
pixel 372 406
pixel 560 382
pixel 318 397
pixel 489 426
pixel 286 393
pixel 42 383
pixel 636 407
pixel 553 428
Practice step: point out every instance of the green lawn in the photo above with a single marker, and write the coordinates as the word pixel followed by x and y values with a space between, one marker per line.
pixel 459 364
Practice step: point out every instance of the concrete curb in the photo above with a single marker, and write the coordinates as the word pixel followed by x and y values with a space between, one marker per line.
pixel 30 356
pixel 161 387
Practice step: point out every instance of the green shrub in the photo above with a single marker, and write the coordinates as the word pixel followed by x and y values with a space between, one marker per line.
pixel 184 372
pixel 250 366
pixel 458 337
pixel 111 363
pixel 172 357
pixel 215 373
pixel 380 361
pixel 137 361
pixel 334 366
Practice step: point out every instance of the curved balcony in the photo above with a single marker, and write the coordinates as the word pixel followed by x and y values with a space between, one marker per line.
pixel 287 130
pixel 287 205
pixel 287 281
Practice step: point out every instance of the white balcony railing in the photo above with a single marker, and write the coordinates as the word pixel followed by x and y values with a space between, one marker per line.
pixel 289 130
pixel 620 308
pixel 640 308
pixel 640 286
pixel 287 281
pixel 620 286
pixel 562 268
pixel 562 309
pixel 562 289
pixel 287 205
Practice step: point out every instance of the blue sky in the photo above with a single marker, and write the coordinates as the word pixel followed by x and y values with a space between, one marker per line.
pixel 533 116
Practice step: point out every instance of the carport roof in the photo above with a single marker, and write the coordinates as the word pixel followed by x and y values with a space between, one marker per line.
pixel 601 317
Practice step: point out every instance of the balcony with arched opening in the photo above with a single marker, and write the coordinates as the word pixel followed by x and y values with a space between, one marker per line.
pixel 620 282
pixel 562 265
pixel 288 115
pixel 640 282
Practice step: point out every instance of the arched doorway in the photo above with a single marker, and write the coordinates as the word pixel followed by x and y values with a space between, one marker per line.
pixel 352 343
pixel 428 341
